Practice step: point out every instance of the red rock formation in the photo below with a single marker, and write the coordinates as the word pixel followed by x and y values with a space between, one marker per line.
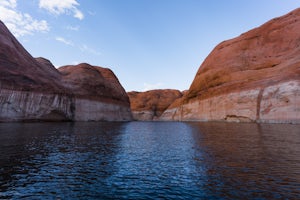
pixel 254 77
pixel 151 104
pixel 91 85
pixel 20 70
pixel 33 89
pixel 93 82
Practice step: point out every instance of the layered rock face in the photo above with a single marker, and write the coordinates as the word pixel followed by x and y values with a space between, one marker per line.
pixel 33 89
pixel 149 105
pixel 254 77
pixel 98 93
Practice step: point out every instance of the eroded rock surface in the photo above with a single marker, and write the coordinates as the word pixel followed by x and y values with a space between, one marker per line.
pixel 254 77
pixel 33 89
pixel 99 95
pixel 149 105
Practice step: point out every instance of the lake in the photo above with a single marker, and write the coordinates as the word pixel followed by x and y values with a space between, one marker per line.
pixel 149 160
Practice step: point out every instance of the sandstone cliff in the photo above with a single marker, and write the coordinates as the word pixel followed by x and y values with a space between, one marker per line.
pixel 33 89
pixel 254 77
pixel 151 104
pixel 98 93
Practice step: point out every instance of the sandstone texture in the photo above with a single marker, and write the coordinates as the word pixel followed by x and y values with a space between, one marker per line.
pixel 254 77
pixel 99 95
pixel 149 105
pixel 32 89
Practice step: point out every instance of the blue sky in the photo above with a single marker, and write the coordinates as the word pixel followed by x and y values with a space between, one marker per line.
pixel 147 43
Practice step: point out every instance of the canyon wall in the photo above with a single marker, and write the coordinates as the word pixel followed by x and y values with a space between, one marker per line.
pixel 32 89
pixel 98 94
pixel 30 106
pixel 275 104
pixel 251 78
pixel 254 77
pixel 149 105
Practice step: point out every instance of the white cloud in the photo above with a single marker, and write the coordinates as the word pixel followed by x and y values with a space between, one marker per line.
pixel 148 86
pixel 9 3
pixel 87 49
pixel 58 7
pixel 83 48
pixel 78 14
pixel 63 40
pixel 19 23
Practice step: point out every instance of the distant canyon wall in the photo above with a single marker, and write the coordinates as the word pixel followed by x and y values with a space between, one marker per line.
pixel 150 105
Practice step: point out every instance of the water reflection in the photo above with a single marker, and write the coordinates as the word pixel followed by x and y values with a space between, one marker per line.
pixel 56 159
pixel 156 160
pixel 146 160
pixel 250 160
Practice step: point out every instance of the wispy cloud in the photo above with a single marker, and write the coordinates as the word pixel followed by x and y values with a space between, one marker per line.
pixel 19 23
pixel 83 48
pixel 63 40
pixel 92 13
pixel 73 28
pixel 149 86
pixel 87 49
pixel 59 7
pixel 9 3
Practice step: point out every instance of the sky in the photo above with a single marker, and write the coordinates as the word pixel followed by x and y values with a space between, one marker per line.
pixel 149 44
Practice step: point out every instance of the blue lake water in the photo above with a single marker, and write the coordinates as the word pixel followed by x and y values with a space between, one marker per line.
pixel 149 160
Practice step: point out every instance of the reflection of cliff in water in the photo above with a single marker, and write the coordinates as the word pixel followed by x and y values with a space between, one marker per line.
pixel 149 160
pixel 260 158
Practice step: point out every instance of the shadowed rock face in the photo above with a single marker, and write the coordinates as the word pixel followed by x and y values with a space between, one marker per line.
pixel 20 70
pixel 33 89
pixel 93 82
pixel 254 77
pixel 151 104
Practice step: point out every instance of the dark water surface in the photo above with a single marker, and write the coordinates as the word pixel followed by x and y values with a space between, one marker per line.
pixel 149 160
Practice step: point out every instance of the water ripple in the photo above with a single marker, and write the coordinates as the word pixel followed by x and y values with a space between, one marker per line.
pixel 146 160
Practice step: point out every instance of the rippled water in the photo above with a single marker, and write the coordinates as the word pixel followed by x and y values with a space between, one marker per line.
pixel 149 160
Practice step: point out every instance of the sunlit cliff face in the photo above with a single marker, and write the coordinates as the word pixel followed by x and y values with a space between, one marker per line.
pixel 151 104
pixel 254 77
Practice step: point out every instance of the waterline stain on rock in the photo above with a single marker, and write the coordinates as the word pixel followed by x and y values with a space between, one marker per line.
pixel 33 89
pixel 255 75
